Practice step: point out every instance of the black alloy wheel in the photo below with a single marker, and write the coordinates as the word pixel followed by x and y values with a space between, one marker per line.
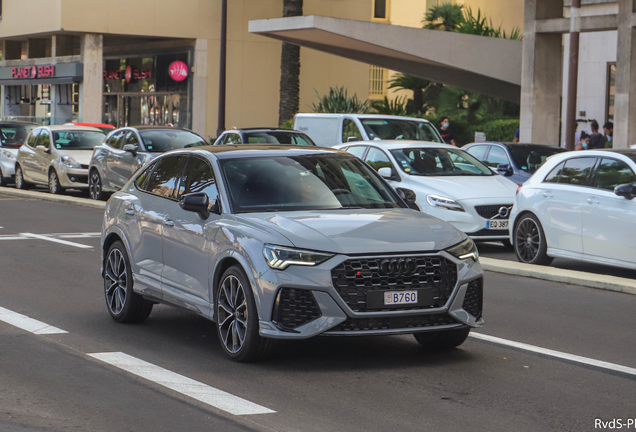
pixel 54 183
pixel 124 305
pixel 530 243
pixel 95 186
pixel 19 179
pixel 442 339
pixel 237 318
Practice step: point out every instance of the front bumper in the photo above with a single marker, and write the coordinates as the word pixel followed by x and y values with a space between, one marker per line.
pixel 307 298
pixel 75 178
pixel 8 167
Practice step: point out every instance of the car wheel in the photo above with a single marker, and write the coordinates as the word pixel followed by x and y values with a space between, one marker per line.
pixel 3 179
pixel 95 186
pixel 237 318
pixel 124 305
pixel 443 339
pixel 530 242
pixel 54 183
pixel 20 183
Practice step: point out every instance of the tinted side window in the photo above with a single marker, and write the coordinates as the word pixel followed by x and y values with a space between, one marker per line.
pixel 165 177
pixel 32 138
pixel 478 151
pixel 116 139
pixel 496 157
pixel 357 151
pixel 349 129
pixel 377 159
pixel 131 138
pixel 142 180
pixel 576 171
pixel 553 177
pixel 44 139
pixel 199 177
pixel 611 173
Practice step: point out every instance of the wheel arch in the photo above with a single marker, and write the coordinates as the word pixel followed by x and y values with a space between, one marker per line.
pixel 233 258
pixel 111 237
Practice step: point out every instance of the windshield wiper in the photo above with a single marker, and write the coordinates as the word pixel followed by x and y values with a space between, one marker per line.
pixel 348 208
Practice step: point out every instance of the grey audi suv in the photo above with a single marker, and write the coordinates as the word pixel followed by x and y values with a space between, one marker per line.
pixel 285 242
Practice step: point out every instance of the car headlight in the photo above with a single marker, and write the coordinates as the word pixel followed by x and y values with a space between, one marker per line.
pixel 464 250
pixel 443 202
pixel 8 155
pixel 70 162
pixel 280 258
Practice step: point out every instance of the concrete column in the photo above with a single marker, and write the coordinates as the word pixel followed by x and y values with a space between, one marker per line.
pixel 625 99
pixel 541 76
pixel 91 89
pixel 200 87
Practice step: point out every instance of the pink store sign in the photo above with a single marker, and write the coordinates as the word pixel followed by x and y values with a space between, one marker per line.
pixel 178 70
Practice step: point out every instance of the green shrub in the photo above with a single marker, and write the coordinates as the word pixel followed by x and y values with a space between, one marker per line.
pixel 338 101
pixel 500 130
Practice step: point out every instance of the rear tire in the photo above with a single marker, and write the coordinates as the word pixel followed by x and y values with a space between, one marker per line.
pixel 443 339
pixel 54 183
pixel 20 183
pixel 3 179
pixel 124 305
pixel 95 186
pixel 530 242
pixel 237 318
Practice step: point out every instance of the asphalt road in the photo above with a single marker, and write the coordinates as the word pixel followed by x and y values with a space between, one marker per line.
pixel 49 382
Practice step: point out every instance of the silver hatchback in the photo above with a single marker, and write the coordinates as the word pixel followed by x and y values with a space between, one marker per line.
pixel 285 242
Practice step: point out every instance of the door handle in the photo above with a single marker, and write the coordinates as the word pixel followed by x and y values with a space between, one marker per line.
pixel 130 208
pixel 548 194
pixel 593 201
pixel 168 222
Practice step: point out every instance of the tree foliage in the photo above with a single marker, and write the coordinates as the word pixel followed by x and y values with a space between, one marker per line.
pixel 338 101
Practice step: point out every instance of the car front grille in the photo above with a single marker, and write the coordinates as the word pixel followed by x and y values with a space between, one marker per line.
pixel 294 308
pixel 473 301
pixel 84 166
pixel 490 211
pixel 393 323
pixel 355 278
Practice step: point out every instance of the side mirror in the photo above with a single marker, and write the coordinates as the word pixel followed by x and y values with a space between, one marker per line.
pixel 504 170
pixel 196 203
pixel 353 138
pixel 386 173
pixel 627 191
pixel 41 149
pixel 131 149
pixel 409 197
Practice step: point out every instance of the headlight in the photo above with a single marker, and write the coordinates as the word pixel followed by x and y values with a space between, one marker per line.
pixel 443 202
pixel 464 250
pixel 70 162
pixel 8 155
pixel 280 258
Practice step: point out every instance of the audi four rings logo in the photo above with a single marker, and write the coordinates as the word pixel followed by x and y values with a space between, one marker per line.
pixel 503 213
pixel 398 266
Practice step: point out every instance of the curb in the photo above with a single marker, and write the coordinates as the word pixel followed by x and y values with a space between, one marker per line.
pixel 590 280
pixel 45 196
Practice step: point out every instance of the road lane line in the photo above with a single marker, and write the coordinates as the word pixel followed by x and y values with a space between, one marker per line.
pixel 28 324
pixel 181 384
pixel 557 354
pixel 68 243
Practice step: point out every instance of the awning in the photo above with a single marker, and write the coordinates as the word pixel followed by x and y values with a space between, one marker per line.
pixel 53 81
pixel 486 65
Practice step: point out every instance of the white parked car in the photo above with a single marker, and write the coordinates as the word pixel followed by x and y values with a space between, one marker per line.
pixel 12 136
pixel 578 205
pixel 57 156
pixel 329 130
pixel 449 184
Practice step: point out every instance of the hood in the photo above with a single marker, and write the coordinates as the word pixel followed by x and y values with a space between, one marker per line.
pixel 465 187
pixel 359 231
pixel 81 156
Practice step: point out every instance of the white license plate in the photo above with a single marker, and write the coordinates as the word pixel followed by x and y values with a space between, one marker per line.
pixel 497 224
pixel 400 297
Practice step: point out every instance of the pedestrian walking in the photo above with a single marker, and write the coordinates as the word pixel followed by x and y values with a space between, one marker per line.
pixel 597 140
pixel 608 128
pixel 446 133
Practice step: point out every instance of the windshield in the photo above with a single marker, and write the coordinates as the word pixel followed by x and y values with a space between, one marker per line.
pixel 391 129
pixel 162 140
pixel 14 136
pixel 77 139
pixel 310 182
pixel 278 137
pixel 439 162
pixel 530 158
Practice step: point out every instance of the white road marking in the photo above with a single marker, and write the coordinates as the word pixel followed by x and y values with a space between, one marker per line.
pixel 68 243
pixel 59 236
pixel 26 323
pixel 557 354
pixel 189 387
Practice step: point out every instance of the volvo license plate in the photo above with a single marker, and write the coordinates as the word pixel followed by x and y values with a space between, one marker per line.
pixel 497 225
pixel 400 297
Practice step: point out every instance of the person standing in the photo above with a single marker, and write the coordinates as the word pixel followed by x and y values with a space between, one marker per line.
pixel 445 132
pixel 597 140
pixel 608 128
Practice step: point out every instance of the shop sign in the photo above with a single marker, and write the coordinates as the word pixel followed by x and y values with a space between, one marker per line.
pixel 129 74
pixel 33 72
pixel 178 70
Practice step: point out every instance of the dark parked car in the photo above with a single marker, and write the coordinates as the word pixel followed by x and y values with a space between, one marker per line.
pixel 264 136
pixel 516 161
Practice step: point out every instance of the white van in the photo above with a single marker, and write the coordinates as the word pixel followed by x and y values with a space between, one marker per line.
pixel 328 130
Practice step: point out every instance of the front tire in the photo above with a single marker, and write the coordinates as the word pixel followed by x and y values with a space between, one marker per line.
pixel 237 318
pixel 530 242
pixel 95 186
pixel 124 305
pixel 54 183
pixel 443 339
pixel 3 179
pixel 20 183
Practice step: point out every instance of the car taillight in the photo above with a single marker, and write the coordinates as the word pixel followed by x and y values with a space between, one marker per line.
pixel 518 189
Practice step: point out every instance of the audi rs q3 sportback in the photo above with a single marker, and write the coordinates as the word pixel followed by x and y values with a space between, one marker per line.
pixel 285 242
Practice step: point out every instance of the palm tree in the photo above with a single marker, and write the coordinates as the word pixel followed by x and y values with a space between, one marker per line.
pixel 447 17
pixel 416 85
pixel 289 69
